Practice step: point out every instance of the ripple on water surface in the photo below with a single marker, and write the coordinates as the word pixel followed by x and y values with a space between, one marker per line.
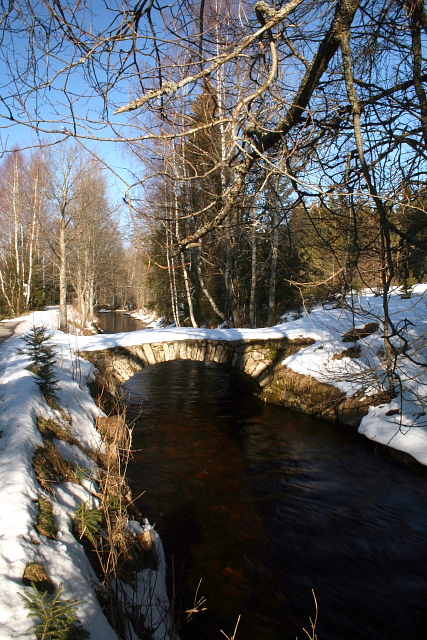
pixel 264 505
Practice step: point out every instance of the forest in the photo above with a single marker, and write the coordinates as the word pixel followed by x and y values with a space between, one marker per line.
pixel 60 238
pixel 275 156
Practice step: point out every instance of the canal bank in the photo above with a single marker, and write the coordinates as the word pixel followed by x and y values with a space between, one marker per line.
pixel 258 506
pixel 55 469
pixel 331 363
pixel 398 423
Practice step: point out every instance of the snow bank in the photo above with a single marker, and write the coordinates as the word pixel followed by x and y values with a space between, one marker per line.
pixel 21 404
pixel 401 424
pixel 149 318
pixel 405 428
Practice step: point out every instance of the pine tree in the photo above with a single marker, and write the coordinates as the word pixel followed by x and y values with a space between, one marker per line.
pixel 42 356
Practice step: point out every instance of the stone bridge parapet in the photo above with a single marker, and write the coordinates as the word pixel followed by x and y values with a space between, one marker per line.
pixel 257 362
pixel 255 359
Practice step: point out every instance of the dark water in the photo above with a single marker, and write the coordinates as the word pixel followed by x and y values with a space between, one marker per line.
pixel 263 505
pixel 118 322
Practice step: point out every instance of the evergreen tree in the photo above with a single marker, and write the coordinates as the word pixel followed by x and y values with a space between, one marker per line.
pixel 58 618
pixel 42 356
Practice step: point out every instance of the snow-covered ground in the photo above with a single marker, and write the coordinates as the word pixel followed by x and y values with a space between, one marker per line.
pixel 401 424
pixel 406 428
pixel 149 318
pixel 21 404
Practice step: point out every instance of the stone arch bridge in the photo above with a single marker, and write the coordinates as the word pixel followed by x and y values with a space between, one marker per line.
pixel 255 359
pixel 258 362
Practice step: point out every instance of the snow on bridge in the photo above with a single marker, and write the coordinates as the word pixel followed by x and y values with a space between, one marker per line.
pixel 255 353
pixel 259 357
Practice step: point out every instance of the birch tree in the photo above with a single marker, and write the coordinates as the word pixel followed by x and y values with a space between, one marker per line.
pixel 22 200
pixel 329 94
pixel 93 243
pixel 66 171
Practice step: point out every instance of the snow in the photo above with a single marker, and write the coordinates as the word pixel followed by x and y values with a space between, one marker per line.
pixel 149 318
pixel 406 430
pixel 400 423
pixel 173 334
pixel 21 403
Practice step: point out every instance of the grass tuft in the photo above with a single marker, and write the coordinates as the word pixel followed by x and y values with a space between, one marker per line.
pixel 51 429
pixel 351 352
pixel 46 524
pixel 50 467
pixel 363 332
pixel 35 574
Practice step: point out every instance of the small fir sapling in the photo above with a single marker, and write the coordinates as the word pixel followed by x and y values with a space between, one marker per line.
pixel 58 618
pixel 88 522
pixel 42 356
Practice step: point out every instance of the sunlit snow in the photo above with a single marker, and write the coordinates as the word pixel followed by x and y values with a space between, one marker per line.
pixel 400 423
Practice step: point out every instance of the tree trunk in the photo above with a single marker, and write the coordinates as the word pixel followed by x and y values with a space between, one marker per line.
pixel 31 240
pixel 16 239
pixel 228 277
pixel 252 304
pixel 212 302
pixel 386 253
pixel 273 270
pixel 183 265
pixel 188 292
pixel 62 276
pixel 172 281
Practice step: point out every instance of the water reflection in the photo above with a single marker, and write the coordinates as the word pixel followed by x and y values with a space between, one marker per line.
pixel 265 505
pixel 118 322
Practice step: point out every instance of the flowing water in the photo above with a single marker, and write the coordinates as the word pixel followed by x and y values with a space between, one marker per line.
pixel 118 322
pixel 264 505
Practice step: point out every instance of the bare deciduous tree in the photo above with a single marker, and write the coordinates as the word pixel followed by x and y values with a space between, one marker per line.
pixel 328 95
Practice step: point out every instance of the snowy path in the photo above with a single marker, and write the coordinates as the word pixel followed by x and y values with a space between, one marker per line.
pixel 7 328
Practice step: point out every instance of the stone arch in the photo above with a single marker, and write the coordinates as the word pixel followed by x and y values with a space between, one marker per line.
pixel 258 363
pixel 253 360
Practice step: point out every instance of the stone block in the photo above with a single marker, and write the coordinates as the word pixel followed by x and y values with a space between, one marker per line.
pixel 139 352
pixel 261 366
pixel 149 353
pixel 241 362
pixel 166 351
pixel 250 364
pixel 210 351
pixel 201 351
pixel 264 382
pixel 218 353
pixel 158 352
pixel 182 350
pixel 174 350
pixel 205 349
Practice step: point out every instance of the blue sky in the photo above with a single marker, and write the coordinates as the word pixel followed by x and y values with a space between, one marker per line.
pixel 51 104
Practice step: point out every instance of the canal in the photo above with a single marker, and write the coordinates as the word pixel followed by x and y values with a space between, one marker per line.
pixel 118 322
pixel 264 505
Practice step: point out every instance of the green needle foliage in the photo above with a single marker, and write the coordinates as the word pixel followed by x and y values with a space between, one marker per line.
pixel 87 522
pixel 59 620
pixel 42 356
